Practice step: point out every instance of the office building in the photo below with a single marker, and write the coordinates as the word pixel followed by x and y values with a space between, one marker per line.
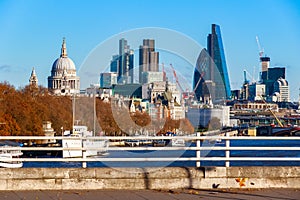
pixel 127 90
pixel 126 58
pixel 150 77
pixel 256 91
pixel 148 58
pixel 211 68
pixel 265 64
pixel 114 64
pixel 219 72
pixel 201 74
pixel 281 91
pixel 271 76
pixel 200 117
pixel 122 64
pixel 107 80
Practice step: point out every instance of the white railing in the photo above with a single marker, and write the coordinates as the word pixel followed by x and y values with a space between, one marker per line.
pixel 197 158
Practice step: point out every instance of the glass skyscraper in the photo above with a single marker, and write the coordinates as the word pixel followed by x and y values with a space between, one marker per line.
pixel 122 63
pixel 211 67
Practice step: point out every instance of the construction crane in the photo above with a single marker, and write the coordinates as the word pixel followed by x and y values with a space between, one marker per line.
pixel 249 75
pixel 176 78
pixel 274 115
pixel 200 78
pixel 260 50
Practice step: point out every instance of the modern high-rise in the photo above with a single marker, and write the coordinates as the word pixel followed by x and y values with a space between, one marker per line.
pixel 114 64
pixel 107 80
pixel 281 91
pixel 270 75
pixel 148 58
pixel 273 75
pixel 265 64
pixel 122 64
pixel 211 67
pixel 201 74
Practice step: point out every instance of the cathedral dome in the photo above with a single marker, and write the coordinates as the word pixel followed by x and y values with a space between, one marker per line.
pixel 63 62
pixel 63 79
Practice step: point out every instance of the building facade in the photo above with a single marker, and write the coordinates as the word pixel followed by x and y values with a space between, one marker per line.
pixel 256 91
pixel 107 80
pixel 33 80
pixel 200 117
pixel 265 64
pixel 122 64
pixel 126 59
pixel 211 79
pixel 114 64
pixel 150 77
pixel 281 91
pixel 274 74
pixel 219 73
pixel 63 79
pixel 148 58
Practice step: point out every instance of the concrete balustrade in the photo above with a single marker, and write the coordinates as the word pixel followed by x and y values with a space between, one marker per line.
pixel 149 178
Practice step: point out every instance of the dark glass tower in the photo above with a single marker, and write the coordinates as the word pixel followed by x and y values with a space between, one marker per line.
pixel 201 74
pixel 211 64
pixel 114 64
pixel 122 63
pixel 149 58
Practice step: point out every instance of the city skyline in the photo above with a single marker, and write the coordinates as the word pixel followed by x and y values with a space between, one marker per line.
pixel 31 35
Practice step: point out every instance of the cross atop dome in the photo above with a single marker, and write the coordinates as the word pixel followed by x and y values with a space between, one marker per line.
pixel 64 49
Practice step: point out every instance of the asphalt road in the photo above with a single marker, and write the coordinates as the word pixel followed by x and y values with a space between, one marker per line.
pixel 271 194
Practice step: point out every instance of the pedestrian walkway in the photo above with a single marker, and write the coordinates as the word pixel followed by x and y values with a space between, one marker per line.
pixel 187 194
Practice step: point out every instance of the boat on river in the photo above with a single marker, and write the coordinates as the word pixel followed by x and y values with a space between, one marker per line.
pixel 6 155
pixel 178 142
pixel 79 138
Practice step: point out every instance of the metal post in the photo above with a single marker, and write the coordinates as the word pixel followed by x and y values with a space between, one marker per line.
pixel 227 152
pixel 84 157
pixel 198 145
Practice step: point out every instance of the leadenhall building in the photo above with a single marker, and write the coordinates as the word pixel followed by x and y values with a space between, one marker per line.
pixel 63 79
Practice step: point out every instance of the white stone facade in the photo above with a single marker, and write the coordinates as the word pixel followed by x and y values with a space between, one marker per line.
pixel 63 79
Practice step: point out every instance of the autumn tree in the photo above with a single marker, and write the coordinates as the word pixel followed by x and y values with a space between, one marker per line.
pixel 105 118
pixel 23 111
pixel 214 124
pixel 186 126
pixel 8 126
pixel 26 109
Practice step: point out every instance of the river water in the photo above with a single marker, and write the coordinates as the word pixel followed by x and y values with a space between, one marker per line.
pixel 189 153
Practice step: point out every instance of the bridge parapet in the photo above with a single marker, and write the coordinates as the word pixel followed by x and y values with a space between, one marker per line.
pixel 149 178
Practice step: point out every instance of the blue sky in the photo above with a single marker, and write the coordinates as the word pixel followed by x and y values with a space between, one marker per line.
pixel 31 32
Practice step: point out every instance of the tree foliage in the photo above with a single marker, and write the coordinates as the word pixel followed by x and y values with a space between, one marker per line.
pixel 214 124
pixel 23 111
